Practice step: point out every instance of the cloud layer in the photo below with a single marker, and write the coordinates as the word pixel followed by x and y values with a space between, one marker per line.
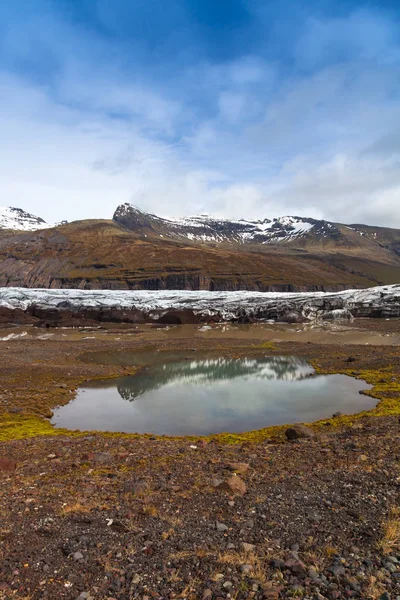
pixel 256 111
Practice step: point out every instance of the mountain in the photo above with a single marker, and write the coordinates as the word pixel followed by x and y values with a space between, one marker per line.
pixel 290 231
pixel 204 228
pixel 17 219
pixel 136 250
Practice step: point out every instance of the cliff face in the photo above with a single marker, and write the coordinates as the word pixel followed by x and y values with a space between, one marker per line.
pixel 105 255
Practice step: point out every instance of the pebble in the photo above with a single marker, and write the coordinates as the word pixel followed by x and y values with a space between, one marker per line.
pixel 248 547
pixel 337 570
pixel 77 556
pixel 227 585
pixel 390 567
pixel 221 526
pixel 352 583
pixel 246 569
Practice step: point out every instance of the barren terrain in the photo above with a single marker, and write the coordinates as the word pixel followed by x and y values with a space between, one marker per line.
pixel 122 516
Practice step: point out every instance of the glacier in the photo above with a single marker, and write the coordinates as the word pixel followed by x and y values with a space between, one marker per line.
pixel 180 306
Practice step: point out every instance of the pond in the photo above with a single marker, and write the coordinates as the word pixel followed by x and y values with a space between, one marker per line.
pixel 202 396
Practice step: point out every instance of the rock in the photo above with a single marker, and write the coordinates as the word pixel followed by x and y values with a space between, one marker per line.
pixel 102 457
pixel 390 567
pixel 221 526
pixel 249 524
pixel 277 563
pixel 227 585
pixel 385 596
pixel 7 465
pixel 350 359
pixel 246 569
pixel 299 431
pixel 136 487
pixel 233 485
pixel 238 467
pixel 296 567
pixel 77 556
pixel 207 594
pixel 248 548
pixel 337 414
pixel 352 583
pixel 337 570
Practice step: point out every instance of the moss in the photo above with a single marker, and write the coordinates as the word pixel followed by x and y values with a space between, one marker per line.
pixel 266 346
pixel 15 427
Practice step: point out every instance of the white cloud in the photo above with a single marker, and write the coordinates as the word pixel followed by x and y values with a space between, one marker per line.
pixel 244 138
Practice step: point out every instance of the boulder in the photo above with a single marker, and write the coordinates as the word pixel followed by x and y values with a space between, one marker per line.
pixel 233 485
pixel 299 431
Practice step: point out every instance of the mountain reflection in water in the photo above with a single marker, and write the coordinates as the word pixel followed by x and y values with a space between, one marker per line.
pixel 205 396
pixel 209 371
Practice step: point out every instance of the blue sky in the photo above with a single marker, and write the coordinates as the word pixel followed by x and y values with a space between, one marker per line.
pixel 242 108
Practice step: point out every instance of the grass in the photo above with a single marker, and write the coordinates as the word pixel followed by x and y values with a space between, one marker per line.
pixel 391 532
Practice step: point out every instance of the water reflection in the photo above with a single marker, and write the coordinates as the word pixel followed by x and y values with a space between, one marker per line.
pixel 209 371
pixel 199 397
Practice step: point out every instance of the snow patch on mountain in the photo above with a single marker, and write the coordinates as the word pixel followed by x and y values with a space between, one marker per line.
pixel 19 220
pixel 205 228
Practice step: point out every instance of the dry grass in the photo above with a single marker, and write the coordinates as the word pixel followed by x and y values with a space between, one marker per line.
pixel 330 551
pixel 172 520
pixel 374 589
pixel 258 561
pixel 391 532
pixel 183 554
pixel 150 510
pixel 77 507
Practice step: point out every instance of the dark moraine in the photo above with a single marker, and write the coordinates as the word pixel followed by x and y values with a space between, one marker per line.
pixel 211 395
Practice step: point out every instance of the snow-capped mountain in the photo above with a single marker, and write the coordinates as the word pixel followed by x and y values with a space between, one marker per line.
pixel 19 220
pixel 204 228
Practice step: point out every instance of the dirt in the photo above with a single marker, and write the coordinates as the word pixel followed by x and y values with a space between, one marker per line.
pixel 120 517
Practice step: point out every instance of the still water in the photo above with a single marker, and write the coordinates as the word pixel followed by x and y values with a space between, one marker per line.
pixel 211 395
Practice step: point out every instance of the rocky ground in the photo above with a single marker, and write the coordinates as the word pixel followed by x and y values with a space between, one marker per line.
pixel 126 517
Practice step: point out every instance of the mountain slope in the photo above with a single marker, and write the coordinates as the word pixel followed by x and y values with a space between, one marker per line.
pixel 19 220
pixel 105 255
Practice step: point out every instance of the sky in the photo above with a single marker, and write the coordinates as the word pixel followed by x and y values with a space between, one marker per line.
pixel 235 108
